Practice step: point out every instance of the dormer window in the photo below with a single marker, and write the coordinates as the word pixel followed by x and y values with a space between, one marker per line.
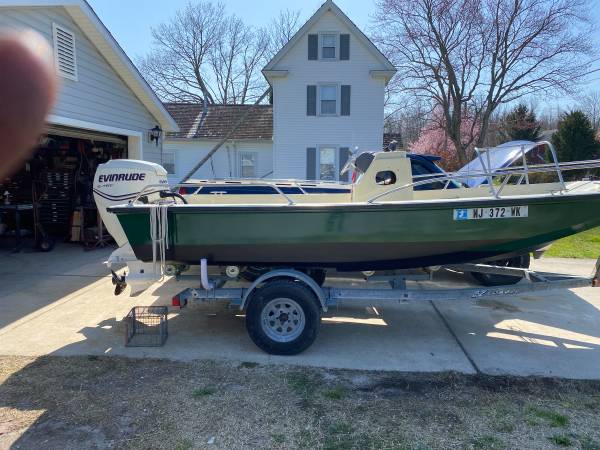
pixel 328 46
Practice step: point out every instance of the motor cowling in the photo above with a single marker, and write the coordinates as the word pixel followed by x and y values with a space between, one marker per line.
pixel 119 181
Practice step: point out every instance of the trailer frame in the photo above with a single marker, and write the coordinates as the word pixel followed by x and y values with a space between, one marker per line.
pixel 213 289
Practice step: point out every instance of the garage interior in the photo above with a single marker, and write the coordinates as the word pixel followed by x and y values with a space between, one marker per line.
pixel 50 199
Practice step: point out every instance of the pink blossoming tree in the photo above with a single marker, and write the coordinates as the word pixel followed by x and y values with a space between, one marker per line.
pixel 434 140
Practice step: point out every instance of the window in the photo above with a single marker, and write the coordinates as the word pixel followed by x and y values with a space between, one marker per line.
pixel 247 168
pixel 168 162
pixel 65 58
pixel 328 99
pixel 327 165
pixel 328 46
pixel 419 169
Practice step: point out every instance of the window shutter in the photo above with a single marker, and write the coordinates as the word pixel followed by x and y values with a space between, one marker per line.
pixel 313 46
pixel 344 47
pixel 344 156
pixel 65 58
pixel 311 163
pixel 311 100
pixel 345 102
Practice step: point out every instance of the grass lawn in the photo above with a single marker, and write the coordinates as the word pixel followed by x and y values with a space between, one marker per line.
pixel 107 402
pixel 582 245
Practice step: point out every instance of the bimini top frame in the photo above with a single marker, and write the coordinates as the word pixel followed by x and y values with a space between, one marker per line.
pixel 523 171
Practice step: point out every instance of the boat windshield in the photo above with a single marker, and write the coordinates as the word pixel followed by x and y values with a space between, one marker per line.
pixel 499 157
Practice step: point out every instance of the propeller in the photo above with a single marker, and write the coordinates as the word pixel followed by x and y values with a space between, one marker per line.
pixel 118 282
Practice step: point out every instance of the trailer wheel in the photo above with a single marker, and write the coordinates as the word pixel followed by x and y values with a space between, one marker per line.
pixel 283 317
pixel 45 244
pixel 491 279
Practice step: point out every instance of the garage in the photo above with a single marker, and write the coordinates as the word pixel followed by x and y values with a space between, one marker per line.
pixel 50 198
pixel 104 110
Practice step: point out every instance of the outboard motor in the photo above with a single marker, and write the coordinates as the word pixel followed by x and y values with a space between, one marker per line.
pixel 116 183
pixel 119 181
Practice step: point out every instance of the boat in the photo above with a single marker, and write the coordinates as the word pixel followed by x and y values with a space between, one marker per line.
pixel 237 189
pixel 383 221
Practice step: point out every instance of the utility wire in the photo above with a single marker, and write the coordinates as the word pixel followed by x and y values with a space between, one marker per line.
pixel 225 138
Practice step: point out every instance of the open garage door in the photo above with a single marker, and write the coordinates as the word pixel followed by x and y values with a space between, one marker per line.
pixel 89 135
pixel 52 193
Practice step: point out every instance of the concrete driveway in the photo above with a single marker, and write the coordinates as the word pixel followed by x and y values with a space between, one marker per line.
pixel 62 303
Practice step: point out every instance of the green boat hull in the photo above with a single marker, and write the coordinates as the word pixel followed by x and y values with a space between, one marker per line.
pixel 358 236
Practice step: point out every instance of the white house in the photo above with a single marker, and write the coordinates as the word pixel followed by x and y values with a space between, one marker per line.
pixel 247 154
pixel 328 92
pixel 328 86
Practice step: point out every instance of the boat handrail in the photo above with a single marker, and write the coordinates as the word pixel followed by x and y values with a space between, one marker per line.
pixel 507 171
pixel 152 188
pixel 262 180
pixel 300 184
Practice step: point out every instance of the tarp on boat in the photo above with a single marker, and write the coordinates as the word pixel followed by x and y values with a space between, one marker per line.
pixel 496 158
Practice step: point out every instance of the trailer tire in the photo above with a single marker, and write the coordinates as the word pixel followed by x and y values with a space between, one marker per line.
pixel 283 317
pixel 490 279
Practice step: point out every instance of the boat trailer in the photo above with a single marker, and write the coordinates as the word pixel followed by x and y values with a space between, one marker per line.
pixel 284 306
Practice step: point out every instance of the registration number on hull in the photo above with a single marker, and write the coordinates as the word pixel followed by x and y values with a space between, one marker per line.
pixel 502 212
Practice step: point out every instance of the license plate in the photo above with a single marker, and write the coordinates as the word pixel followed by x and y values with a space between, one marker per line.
pixel 502 212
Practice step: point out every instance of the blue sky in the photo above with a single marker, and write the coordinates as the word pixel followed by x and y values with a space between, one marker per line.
pixel 130 21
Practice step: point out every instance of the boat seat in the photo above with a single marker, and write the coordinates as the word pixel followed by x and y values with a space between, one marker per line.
pixel 363 161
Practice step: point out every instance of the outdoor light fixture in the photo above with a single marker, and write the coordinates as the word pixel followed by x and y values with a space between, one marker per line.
pixel 155 134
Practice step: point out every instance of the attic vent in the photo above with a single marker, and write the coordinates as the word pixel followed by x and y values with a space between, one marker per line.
pixel 64 52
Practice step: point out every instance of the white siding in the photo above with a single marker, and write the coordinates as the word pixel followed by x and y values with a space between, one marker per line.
pixel 225 161
pixel 99 96
pixel 294 131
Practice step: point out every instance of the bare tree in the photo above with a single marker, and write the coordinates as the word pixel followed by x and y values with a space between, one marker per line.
pixel 177 66
pixel 204 55
pixel 236 61
pixel 408 117
pixel 281 29
pixel 468 57
pixel 550 116
pixel 590 104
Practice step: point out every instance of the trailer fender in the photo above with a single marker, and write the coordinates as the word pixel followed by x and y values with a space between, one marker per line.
pixel 287 273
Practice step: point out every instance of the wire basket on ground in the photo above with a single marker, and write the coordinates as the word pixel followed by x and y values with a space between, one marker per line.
pixel 146 326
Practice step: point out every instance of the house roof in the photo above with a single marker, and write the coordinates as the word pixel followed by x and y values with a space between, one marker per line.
pixel 219 120
pixel 329 5
pixel 91 25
